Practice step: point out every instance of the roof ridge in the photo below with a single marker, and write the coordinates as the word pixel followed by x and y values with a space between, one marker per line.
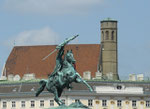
pixel 50 45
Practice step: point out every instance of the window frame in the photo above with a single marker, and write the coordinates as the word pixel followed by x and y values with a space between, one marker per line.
pixel 147 104
pixel 77 100
pixel 103 35
pixel 90 102
pixel 134 103
pixel 13 104
pixel 104 103
pixel 119 103
pixel 112 35
pixel 51 103
pixel 32 103
pixel 23 104
pixel 4 106
pixel 107 35
pixel 41 103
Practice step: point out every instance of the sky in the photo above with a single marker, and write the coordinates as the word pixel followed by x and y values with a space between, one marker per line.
pixel 48 22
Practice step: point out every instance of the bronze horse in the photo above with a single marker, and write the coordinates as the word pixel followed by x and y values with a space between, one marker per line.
pixel 62 77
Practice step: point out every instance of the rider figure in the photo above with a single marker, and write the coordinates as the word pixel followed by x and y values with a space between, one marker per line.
pixel 59 65
pixel 64 73
pixel 59 60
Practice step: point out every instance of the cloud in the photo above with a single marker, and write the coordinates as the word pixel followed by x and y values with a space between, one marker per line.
pixel 50 6
pixel 44 36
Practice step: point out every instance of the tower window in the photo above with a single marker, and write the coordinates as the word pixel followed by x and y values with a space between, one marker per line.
pixel 112 35
pixel 112 23
pixel 107 35
pixel 102 35
pixel 107 23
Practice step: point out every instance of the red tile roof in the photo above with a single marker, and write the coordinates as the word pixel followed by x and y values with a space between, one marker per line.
pixel 28 59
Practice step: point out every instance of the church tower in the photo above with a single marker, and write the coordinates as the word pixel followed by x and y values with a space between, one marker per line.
pixel 109 56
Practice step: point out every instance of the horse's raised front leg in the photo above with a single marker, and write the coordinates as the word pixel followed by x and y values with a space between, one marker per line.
pixel 80 80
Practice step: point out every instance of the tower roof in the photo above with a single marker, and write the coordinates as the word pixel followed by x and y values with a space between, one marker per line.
pixel 109 20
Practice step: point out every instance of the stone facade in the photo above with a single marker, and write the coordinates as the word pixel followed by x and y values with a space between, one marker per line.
pixel 106 95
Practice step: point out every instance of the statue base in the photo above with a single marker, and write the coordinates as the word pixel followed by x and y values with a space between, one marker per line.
pixel 76 105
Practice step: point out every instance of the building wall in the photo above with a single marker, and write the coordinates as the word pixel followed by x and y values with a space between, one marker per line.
pixel 97 103
pixel 111 92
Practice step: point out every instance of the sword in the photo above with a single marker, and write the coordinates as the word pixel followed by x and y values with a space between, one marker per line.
pixel 60 45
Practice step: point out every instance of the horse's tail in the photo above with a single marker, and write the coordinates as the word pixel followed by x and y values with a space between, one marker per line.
pixel 42 86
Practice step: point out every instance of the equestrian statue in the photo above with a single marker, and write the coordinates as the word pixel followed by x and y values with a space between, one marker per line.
pixel 63 75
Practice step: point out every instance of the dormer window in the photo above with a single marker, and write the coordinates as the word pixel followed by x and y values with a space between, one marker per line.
pixel 119 87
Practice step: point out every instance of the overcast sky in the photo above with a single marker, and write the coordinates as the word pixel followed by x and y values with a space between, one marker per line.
pixel 46 22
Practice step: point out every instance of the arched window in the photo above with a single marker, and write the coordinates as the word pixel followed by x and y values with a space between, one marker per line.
pixel 102 35
pixel 112 35
pixel 107 35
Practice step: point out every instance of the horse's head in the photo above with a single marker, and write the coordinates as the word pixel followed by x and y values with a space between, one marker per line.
pixel 69 57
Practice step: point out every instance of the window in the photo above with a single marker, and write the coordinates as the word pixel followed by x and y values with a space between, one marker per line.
pixel 101 24
pixel 4 104
pixel 102 35
pixel 133 103
pixel 147 103
pixel 112 23
pixel 112 35
pixel 90 102
pixel 51 102
pixel 104 102
pixel 119 87
pixel 13 104
pixel 107 23
pixel 63 100
pixel 119 103
pixel 23 104
pixel 107 35
pixel 42 103
pixel 32 104
pixel 77 100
